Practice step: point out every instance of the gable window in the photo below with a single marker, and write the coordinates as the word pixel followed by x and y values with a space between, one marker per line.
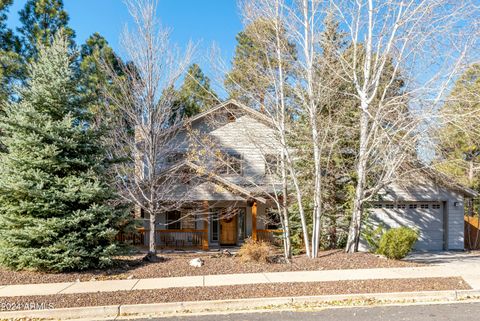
pixel 231 164
pixel 272 165
pixel 185 175
pixel 173 220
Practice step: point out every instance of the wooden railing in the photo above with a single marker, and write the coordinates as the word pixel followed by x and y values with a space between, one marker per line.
pixel 472 233
pixel 271 236
pixel 185 238
pixel 169 239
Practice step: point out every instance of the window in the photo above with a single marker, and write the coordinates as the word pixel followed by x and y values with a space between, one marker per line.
pixel 272 165
pixel 424 206
pixel 412 206
pixel 214 226
pixel 401 206
pixel 231 164
pixel 389 206
pixel 173 220
pixel 436 206
pixel 377 205
pixel 185 175
pixel 231 117
pixel 273 220
pixel 173 158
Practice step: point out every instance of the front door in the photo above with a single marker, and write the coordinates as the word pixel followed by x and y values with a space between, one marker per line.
pixel 228 230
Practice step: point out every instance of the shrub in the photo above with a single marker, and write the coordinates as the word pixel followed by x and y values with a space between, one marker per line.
pixel 372 235
pixel 257 251
pixel 396 243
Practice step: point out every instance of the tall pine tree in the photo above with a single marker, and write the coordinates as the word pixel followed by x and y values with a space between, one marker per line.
pixel 249 80
pixel 93 78
pixel 41 20
pixel 459 139
pixel 195 94
pixel 10 62
pixel 54 198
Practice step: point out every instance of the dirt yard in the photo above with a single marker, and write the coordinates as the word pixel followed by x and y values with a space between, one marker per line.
pixel 239 292
pixel 177 264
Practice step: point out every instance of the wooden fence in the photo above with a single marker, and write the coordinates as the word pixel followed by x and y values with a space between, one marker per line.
pixel 472 233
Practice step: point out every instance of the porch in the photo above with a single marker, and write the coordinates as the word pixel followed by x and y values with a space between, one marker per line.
pixel 214 226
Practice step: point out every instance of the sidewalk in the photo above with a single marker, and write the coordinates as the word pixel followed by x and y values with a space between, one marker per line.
pixel 471 276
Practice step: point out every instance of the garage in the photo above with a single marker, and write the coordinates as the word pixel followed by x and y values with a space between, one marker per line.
pixel 428 202
pixel 426 217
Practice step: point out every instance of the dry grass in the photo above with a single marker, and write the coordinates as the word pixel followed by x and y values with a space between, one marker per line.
pixel 255 251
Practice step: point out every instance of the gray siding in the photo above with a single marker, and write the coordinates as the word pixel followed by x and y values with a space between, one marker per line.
pixel 431 222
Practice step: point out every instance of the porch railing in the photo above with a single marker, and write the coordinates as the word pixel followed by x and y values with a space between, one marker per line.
pixel 169 239
pixel 270 236
pixel 185 238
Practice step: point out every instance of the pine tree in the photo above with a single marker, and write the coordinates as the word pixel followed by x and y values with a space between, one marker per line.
pixel 459 140
pixel 10 63
pixel 248 81
pixel 93 78
pixel 54 198
pixel 41 20
pixel 195 94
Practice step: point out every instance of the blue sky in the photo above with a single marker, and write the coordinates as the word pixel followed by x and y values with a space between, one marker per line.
pixel 203 21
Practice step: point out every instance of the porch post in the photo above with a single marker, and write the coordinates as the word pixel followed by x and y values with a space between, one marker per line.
pixel 206 209
pixel 254 221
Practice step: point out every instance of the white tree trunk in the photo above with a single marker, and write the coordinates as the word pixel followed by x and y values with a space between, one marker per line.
pixel 355 224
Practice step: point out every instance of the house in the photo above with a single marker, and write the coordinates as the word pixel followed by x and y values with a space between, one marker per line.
pixel 427 201
pixel 225 182
pixel 233 153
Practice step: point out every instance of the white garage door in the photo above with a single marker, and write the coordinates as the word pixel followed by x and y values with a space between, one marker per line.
pixel 426 217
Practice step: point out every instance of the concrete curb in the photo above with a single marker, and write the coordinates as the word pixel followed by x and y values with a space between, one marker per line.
pixel 158 309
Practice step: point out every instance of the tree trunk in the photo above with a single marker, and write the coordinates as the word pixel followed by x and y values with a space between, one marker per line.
pixel 286 220
pixel 317 210
pixel 355 224
pixel 470 172
pixel 152 248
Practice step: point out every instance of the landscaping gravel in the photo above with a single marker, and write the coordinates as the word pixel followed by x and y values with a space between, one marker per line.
pixel 237 292
pixel 177 264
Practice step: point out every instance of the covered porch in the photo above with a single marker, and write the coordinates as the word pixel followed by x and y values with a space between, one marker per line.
pixel 210 225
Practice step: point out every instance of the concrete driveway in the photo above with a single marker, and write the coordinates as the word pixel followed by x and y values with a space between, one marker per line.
pixel 449 258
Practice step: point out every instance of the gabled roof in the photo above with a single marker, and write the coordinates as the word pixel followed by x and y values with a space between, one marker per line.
pixel 438 178
pixel 448 182
pixel 220 180
pixel 225 104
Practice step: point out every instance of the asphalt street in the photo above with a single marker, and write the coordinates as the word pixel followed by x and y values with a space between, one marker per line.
pixel 433 312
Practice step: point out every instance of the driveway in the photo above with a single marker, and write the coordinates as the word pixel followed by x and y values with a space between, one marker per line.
pixel 447 258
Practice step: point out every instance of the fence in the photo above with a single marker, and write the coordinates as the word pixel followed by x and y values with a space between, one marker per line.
pixel 472 233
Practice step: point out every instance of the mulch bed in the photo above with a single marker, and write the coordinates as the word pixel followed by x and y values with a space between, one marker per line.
pixel 177 264
pixel 236 292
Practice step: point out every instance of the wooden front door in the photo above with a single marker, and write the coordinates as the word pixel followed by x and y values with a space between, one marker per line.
pixel 228 231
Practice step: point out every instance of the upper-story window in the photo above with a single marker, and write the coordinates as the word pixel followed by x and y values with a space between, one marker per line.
pixel 173 158
pixel 230 164
pixel 272 164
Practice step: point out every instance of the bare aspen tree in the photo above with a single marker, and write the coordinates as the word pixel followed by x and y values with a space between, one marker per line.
pixel 422 42
pixel 144 121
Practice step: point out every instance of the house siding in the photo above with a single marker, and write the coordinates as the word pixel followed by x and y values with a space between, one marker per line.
pixel 426 191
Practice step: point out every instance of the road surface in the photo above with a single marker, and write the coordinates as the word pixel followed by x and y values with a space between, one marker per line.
pixel 433 312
